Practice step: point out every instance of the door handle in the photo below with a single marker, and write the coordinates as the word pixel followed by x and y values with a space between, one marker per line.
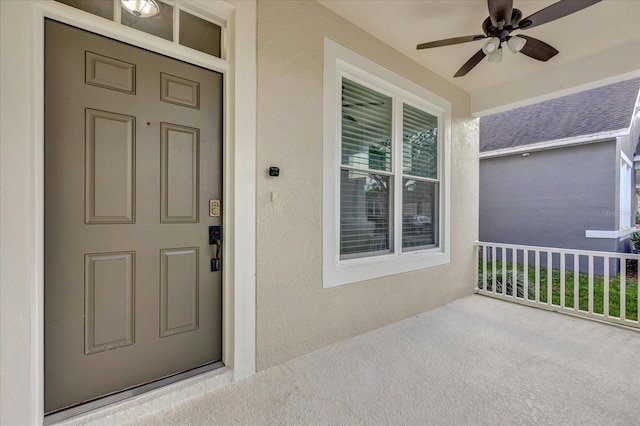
pixel 215 239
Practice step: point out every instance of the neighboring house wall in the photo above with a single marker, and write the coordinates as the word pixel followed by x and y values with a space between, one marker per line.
pixel 550 198
pixel 634 141
pixel 627 145
pixel 573 190
pixel 295 315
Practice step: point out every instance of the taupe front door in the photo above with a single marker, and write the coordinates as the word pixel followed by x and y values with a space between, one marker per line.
pixel 133 155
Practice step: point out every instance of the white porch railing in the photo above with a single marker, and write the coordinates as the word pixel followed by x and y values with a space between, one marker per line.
pixel 593 284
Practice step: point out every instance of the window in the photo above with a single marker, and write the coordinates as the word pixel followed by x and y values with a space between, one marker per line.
pixel 160 25
pixel 172 23
pixel 386 171
pixel 420 179
pixel 626 177
pixel 365 171
pixel 200 34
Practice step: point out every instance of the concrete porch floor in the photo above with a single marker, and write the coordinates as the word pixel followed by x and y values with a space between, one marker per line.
pixel 474 361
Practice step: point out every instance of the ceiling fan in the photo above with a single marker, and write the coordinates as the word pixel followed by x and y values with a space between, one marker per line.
pixel 503 19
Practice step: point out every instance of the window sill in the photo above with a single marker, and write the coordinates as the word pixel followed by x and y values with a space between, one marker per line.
pixel 622 233
pixel 356 270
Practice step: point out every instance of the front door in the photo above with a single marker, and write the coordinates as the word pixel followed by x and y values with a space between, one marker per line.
pixel 133 155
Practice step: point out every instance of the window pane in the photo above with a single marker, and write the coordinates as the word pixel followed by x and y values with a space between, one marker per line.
pixel 366 127
pixel 103 8
pixel 160 25
pixel 419 214
pixel 199 34
pixel 419 143
pixel 364 212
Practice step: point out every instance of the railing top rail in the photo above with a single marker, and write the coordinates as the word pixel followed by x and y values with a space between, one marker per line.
pixel 560 250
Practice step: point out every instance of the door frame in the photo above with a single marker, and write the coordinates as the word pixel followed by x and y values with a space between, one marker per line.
pixel 239 171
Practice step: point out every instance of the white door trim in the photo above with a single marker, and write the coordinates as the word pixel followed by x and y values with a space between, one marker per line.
pixel 27 264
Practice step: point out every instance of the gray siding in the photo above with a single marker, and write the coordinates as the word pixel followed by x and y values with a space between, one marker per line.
pixel 550 198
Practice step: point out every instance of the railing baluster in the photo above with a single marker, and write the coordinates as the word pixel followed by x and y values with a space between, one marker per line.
pixel 538 276
pixel 623 288
pixel 605 308
pixel 591 284
pixel 493 268
pixel 514 268
pixel 562 279
pixel 504 271
pixel 477 265
pixel 576 282
pixel 525 273
pixel 549 278
pixel 484 268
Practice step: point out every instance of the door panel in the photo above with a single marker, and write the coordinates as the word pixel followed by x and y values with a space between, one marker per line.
pixel 179 159
pixel 179 291
pixel 179 91
pixel 110 73
pixel 109 301
pixel 109 167
pixel 133 154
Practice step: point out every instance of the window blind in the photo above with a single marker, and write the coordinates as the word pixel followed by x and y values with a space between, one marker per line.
pixel 365 147
pixel 366 127
pixel 419 195
pixel 419 143
pixel 364 212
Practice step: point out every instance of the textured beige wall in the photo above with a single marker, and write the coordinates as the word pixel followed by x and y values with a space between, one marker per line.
pixel 295 315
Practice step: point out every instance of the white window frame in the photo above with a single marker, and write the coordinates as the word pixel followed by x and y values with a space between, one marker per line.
pixel 341 62
pixel 626 176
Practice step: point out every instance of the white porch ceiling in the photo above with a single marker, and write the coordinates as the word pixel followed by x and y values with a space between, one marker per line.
pixel 598 45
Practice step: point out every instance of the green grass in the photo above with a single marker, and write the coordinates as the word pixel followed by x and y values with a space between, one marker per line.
pixel 631 288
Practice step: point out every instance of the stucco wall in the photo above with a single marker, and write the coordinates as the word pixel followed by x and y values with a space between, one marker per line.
pixel 295 315
pixel 550 197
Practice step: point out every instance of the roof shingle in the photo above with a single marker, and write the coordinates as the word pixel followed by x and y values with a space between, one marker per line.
pixel 597 110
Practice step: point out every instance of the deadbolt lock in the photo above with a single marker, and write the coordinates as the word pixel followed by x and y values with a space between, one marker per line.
pixel 214 208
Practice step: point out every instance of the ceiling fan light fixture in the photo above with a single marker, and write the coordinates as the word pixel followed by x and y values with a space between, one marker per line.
pixel 491 46
pixel 495 56
pixel 515 44
pixel 141 8
pixel 497 27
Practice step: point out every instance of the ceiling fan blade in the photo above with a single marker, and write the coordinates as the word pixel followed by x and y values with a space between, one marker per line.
pixel 555 11
pixel 537 49
pixel 500 10
pixel 450 41
pixel 472 62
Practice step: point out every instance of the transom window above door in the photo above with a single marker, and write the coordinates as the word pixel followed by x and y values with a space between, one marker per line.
pixel 172 21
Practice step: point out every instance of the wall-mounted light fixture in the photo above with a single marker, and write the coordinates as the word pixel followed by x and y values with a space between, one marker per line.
pixel 141 8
